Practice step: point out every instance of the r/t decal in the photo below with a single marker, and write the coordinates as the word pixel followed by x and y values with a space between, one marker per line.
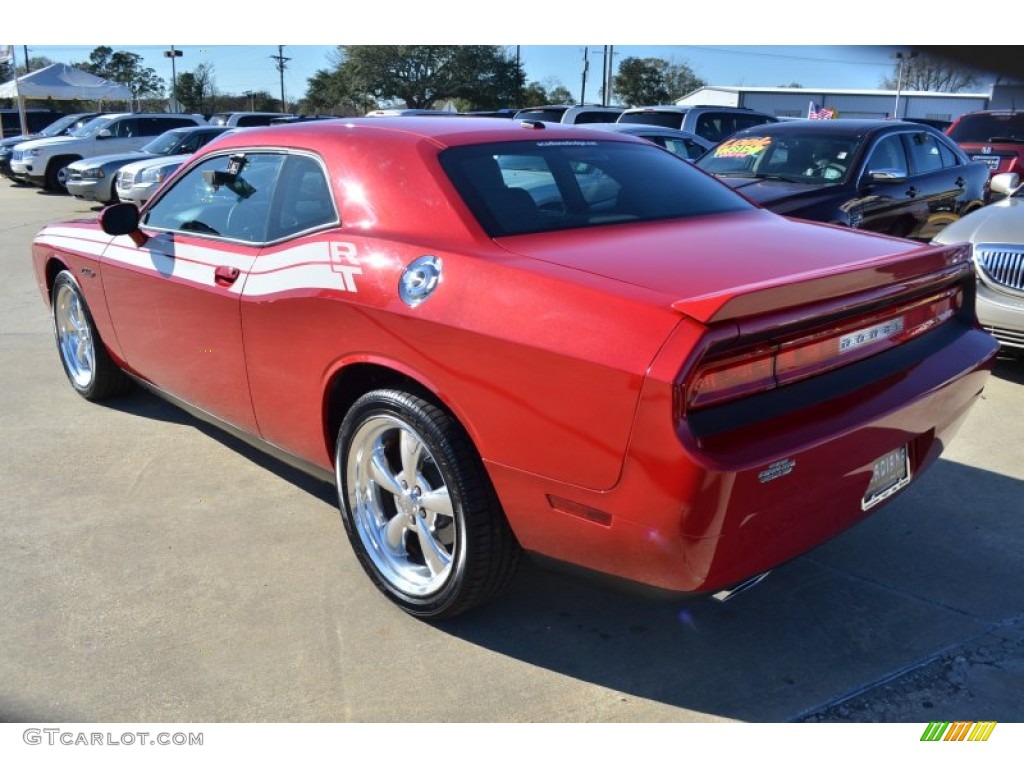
pixel 345 263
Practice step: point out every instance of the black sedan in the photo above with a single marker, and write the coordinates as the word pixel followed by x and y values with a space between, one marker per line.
pixel 894 177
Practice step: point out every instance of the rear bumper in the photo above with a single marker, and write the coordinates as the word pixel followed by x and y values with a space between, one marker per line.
pixel 697 510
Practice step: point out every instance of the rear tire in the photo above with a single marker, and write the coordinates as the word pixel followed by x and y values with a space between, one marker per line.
pixel 418 507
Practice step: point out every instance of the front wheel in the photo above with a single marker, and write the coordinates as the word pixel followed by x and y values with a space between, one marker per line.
pixel 88 366
pixel 419 508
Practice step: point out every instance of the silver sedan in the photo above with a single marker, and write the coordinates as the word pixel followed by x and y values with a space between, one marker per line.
pixel 997 234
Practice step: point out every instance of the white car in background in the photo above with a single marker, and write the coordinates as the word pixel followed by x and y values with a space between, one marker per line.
pixel 136 181
pixel 997 234
pixel 44 162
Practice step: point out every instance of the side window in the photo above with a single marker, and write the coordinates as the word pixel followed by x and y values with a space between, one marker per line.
pixel 224 196
pixel 304 199
pixel 598 188
pixel 710 126
pixel 125 128
pixel 685 148
pixel 888 155
pixel 949 157
pixel 924 153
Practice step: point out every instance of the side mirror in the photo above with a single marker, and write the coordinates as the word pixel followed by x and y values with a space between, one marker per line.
pixel 1005 183
pixel 104 134
pixel 122 219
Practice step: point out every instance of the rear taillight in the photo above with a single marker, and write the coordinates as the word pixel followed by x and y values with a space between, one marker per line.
pixel 764 367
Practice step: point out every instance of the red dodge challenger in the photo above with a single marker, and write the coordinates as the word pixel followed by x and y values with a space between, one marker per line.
pixel 499 337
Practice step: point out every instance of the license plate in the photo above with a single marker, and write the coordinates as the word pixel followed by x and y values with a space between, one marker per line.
pixel 991 160
pixel 889 473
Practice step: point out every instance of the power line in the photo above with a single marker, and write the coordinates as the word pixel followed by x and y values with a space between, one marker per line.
pixel 740 52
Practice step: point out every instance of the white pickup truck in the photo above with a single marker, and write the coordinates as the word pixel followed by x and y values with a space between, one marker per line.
pixel 44 162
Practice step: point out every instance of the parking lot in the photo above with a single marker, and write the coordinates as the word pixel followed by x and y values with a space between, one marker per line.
pixel 153 569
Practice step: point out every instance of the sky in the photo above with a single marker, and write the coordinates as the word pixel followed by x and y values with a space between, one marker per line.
pixel 752 46
pixel 240 68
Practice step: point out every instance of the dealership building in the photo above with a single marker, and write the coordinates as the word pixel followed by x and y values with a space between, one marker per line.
pixel 794 102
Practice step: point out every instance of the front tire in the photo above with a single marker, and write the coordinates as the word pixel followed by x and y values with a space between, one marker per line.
pixel 419 508
pixel 86 362
pixel 57 174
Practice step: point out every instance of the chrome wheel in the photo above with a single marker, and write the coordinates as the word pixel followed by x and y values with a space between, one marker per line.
pixel 418 506
pixel 74 336
pixel 88 365
pixel 401 506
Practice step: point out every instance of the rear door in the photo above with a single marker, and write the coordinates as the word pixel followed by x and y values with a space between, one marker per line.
pixel 892 204
pixel 939 181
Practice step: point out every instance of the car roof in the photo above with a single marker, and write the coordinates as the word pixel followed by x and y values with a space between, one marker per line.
pixel 842 127
pixel 632 128
pixel 444 131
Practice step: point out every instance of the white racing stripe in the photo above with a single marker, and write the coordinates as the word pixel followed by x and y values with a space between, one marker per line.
pixel 73 244
pixel 315 265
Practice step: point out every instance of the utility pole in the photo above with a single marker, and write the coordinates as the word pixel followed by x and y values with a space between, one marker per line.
pixel 172 55
pixel 899 81
pixel 586 65
pixel 28 64
pixel 281 60
pixel 609 67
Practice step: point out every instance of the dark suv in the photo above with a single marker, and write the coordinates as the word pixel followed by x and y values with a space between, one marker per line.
pixel 994 137
pixel 711 123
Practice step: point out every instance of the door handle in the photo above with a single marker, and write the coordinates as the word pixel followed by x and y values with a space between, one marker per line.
pixel 225 275
pixel 960 182
pixel 912 192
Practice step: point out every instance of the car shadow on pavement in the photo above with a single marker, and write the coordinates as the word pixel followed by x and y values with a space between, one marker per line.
pixel 926 573
pixel 1010 367
pixel 139 402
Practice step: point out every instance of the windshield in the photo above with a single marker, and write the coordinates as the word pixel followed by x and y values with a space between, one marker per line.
pixel 165 144
pixel 516 188
pixel 91 128
pixel 987 128
pixel 57 127
pixel 806 158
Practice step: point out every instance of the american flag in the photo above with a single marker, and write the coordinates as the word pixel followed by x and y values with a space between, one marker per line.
pixel 817 112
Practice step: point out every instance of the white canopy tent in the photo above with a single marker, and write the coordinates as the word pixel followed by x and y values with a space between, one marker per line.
pixel 61 82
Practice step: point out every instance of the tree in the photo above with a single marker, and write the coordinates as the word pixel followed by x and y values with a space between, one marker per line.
pixel 924 72
pixel 551 91
pixel 330 91
pixel 560 95
pixel 680 80
pixel 419 76
pixel 195 89
pixel 652 81
pixel 123 67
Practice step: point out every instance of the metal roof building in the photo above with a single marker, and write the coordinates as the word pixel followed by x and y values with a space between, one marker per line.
pixel 794 102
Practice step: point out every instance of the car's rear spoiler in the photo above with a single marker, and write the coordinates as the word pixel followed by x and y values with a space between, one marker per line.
pixel 892 275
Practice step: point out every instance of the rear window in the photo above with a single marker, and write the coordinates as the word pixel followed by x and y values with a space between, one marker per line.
pixel 989 128
pixel 654 117
pixel 549 115
pixel 595 117
pixel 523 187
